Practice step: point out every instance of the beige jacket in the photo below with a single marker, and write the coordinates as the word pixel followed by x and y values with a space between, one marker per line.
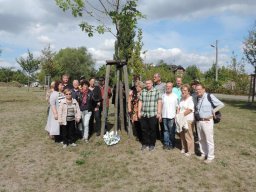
pixel 62 111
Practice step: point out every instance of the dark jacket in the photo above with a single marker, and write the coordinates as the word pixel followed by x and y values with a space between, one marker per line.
pixel 77 95
pixel 89 102
pixel 96 96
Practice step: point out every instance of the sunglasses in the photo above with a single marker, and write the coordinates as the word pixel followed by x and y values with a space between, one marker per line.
pixel 68 94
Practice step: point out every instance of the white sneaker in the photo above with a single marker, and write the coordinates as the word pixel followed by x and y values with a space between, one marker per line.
pixel 207 161
pixel 73 145
pixel 182 151
pixel 187 154
pixel 64 146
pixel 202 157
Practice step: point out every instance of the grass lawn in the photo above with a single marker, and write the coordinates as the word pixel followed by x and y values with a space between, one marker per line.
pixel 30 161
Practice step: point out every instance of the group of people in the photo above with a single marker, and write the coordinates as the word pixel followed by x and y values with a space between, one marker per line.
pixel 74 108
pixel 157 110
pixel 160 110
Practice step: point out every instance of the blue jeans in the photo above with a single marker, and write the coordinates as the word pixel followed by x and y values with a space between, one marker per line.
pixel 169 132
pixel 84 125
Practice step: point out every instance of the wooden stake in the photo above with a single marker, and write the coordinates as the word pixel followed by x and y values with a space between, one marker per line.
pixel 121 104
pixel 127 96
pixel 116 100
pixel 105 98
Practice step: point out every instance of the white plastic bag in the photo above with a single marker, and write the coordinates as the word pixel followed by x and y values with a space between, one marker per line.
pixel 111 138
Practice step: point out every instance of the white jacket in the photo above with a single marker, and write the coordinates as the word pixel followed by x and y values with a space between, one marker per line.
pixel 181 122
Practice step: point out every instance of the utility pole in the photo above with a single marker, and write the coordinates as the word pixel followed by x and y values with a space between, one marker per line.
pixel 216 61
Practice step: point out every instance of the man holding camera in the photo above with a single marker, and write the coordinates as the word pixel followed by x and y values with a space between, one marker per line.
pixel 204 114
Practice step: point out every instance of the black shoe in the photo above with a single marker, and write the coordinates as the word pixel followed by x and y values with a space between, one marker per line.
pixel 151 148
pixel 165 147
pixel 169 148
pixel 144 147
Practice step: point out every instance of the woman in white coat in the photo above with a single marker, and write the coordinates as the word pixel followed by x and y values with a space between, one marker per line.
pixel 53 126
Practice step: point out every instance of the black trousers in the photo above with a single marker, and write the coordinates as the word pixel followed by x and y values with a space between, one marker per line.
pixel 148 127
pixel 97 116
pixel 68 132
pixel 137 130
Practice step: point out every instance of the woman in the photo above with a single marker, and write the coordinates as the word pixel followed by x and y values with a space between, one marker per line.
pixel 86 108
pixel 96 107
pixel 186 107
pixel 133 101
pixel 68 114
pixel 53 126
pixel 48 94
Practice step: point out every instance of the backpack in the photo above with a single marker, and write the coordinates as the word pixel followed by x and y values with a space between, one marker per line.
pixel 218 115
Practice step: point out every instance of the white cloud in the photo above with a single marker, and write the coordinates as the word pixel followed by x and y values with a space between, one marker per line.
pixel 190 9
pixel 44 39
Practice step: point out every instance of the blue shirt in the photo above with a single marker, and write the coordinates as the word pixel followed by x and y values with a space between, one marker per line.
pixel 177 91
pixel 204 106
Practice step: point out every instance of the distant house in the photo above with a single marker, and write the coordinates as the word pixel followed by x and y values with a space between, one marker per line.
pixel 177 70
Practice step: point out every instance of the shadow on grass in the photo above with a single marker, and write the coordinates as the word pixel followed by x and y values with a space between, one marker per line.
pixel 241 105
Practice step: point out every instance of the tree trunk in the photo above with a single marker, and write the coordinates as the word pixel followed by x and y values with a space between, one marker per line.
pixel 28 83
pixel 253 87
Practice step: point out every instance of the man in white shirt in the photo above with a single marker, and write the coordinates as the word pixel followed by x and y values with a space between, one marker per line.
pixel 169 110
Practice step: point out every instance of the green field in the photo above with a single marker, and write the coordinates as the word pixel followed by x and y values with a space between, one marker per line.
pixel 30 161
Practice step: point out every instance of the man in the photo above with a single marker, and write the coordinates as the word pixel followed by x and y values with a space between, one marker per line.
pixel 169 110
pixel 65 82
pixel 204 120
pixel 76 94
pixel 160 86
pixel 177 89
pixel 149 111
pixel 102 88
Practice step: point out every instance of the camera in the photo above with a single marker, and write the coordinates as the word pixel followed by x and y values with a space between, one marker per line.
pixel 197 117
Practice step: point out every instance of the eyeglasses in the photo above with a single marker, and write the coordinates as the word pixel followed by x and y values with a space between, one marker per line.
pixel 68 94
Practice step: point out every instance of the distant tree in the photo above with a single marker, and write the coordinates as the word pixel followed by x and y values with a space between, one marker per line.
pixel 163 70
pixel 29 64
pixel 237 74
pixel 101 72
pixel 192 73
pixel 47 64
pixel 19 76
pixel 75 62
pixel 136 62
pixel 250 52
pixel 6 74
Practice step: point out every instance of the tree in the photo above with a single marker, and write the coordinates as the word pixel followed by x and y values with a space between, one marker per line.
pixel 6 74
pixel 29 64
pixel 122 13
pixel 47 64
pixel 237 74
pixel 75 62
pixel 250 53
pixel 136 63
pixel 163 69
pixel 192 73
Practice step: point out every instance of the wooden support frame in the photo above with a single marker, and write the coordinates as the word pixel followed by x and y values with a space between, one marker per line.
pixel 121 73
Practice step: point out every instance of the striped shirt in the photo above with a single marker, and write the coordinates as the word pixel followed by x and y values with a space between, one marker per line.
pixel 149 100
pixel 70 112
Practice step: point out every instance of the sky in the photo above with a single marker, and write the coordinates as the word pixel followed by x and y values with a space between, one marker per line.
pixel 178 32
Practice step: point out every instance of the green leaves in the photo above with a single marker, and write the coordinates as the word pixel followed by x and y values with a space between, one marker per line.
pixel 250 47
pixel 29 64
pixel 76 6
